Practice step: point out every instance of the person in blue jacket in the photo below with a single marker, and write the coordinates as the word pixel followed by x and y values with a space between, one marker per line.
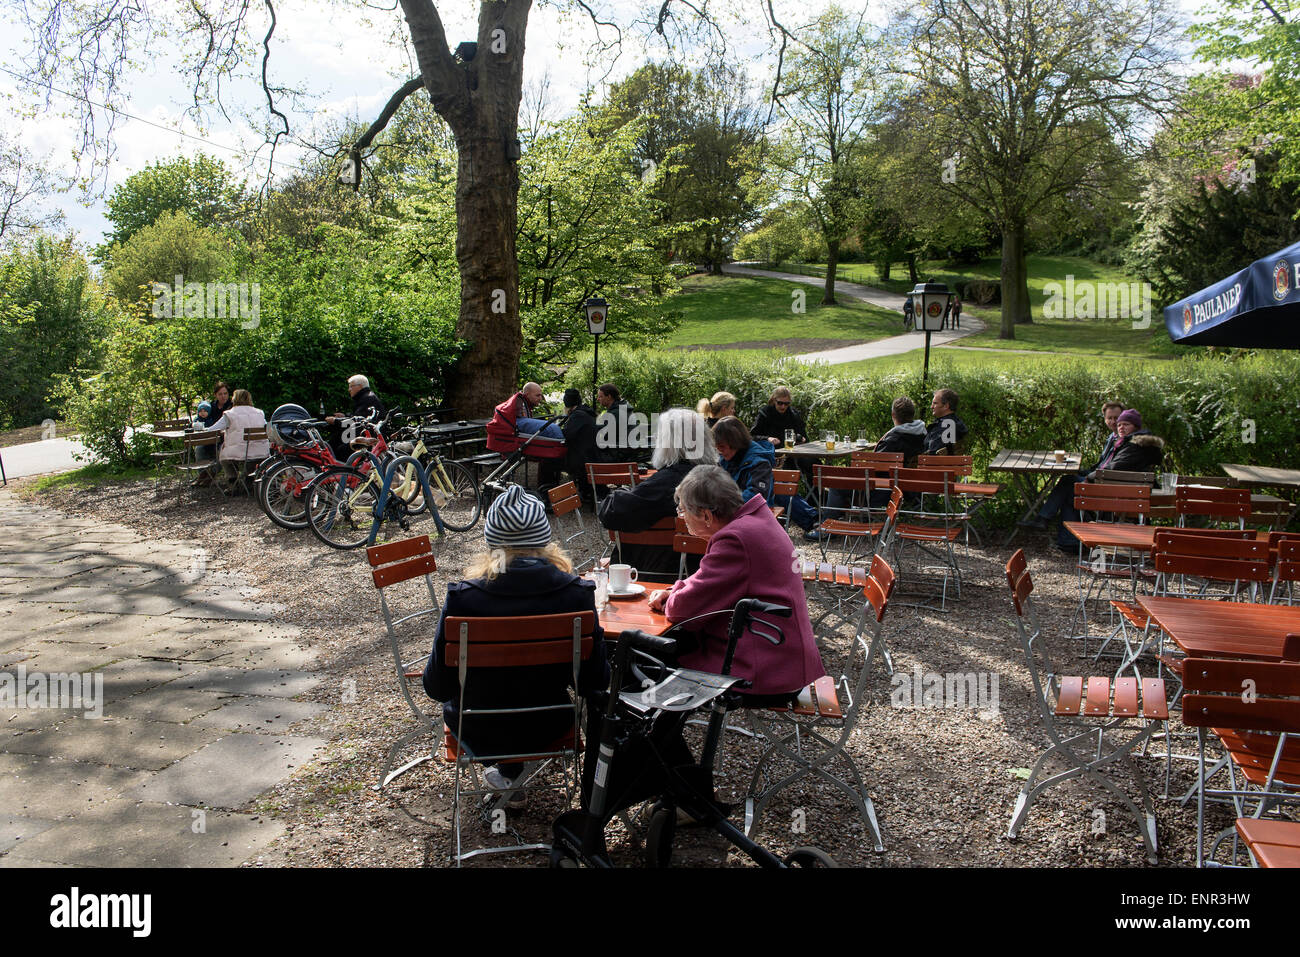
pixel 750 463
pixel 523 572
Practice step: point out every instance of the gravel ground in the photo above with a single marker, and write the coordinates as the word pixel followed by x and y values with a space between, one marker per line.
pixel 944 780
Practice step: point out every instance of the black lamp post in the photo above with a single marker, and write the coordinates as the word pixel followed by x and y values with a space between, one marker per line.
pixel 597 311
pixel 930 303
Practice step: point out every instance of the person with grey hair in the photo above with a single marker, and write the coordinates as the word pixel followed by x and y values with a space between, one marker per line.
pixel 682 441
pixel 749 556
pixel 524 572
pixel 365 405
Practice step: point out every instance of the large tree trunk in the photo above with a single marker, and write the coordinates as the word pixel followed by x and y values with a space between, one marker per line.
pixel 479 99
pixel 832 262
pixel 1015 281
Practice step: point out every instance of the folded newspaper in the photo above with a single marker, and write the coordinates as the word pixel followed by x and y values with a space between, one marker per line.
pixel 682 690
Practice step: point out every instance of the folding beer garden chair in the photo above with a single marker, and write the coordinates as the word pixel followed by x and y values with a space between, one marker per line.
pixel 1253 709
pixel 1094 724
pixel 476 644
pixel 1221 504
pixel 853 524
pixel 933 532
pixel 393 564
pixel 812 734
pixel 1097 577
pixel 606 475
pixel 785 483
pixel 1285 553
pixel 581 542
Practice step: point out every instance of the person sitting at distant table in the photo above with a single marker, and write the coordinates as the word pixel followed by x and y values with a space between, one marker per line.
pixel 527 399
pixel 750 463
pixel 947 433
pixel 778 417
pixel 717 408
pixel 1061 502
pixel 907 436
pixel 236 452
pixel 682 442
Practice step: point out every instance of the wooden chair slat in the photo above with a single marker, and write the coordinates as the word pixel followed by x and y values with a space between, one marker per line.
pixel 1126 697
pixel 1071 695
pixel 396 551
pixel 520 628
pixel 1154 703
pixel 404 571
pixel 1097 700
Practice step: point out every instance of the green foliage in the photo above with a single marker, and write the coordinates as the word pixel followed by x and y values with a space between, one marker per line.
pixel 202 188
pixel 1256 108
pixel 173 245
pixel 1199 405
pixel 1221 227
pixel 787 233
pixel 52 319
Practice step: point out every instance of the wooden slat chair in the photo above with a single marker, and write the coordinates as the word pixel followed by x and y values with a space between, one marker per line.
pixel 1253 709
pixel 962 466
pixel 660 534
pixel 566 500
pixel 1121 477
pixel 393 564
pixel 166 457
pixel 1271 515
pixel 812 734
pixel 684 544
pixel 1222 504
pixel 882 462
pixel 935 531
pixel 855 526
pixel 1098 574
pixel 248 466
pixel 1094 724
pixel 170 425
pixel 604 476
pixel 784 482
pixel 190 464
pixel 1286 567
pixel 1271 843
pixel 475 644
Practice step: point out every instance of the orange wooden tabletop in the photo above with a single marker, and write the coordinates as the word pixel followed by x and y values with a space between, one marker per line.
pixel 1140 538
pixel 1224 629
pixel 628 613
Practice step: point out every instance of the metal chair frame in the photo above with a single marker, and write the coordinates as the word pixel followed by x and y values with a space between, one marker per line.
pixel 813 734
pixel 393 563
pixel 1081 738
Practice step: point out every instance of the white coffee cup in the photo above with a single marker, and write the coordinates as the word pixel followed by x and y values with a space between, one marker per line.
pixel 621 578
pixel 1059 454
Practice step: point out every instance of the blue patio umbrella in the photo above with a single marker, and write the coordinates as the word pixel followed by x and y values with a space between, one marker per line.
pixel 1256 308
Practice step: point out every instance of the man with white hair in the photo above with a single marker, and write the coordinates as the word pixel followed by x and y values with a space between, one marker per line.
pixel 364 404
pixel 682 441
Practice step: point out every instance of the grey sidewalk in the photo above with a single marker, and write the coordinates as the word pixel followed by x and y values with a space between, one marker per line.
pixel 197 690
pixel 37 458
pixel 892 346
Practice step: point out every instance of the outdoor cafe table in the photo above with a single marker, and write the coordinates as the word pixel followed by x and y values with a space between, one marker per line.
pixel 1259 476
pixel 1027 470
pixel 451 433
pixel 1204 628
pixel 624 614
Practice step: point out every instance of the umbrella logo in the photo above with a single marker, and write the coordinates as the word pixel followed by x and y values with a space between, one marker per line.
pixel 1281 279
pixel 1187 319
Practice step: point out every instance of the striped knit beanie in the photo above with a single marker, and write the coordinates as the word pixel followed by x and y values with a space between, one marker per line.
pixel 516 520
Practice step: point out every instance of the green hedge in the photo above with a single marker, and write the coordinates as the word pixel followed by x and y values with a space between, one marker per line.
pixel 1201 405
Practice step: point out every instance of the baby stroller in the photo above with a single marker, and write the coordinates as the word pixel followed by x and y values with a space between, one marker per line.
pixel 514 448
pixel 646 727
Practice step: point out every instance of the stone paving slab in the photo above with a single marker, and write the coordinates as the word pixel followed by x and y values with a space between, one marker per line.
pixel 229 773
pixel 258 714
pixel 151 835
pixel 131 743
pixel 276 682
pixel 15 829
pixel 33 786
pixel 198 682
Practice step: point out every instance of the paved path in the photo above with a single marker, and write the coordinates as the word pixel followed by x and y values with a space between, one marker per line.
pixel 892 346
pixel 197 700
pixel 37 458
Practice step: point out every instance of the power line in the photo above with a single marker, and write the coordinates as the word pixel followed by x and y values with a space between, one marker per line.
pixel 141 119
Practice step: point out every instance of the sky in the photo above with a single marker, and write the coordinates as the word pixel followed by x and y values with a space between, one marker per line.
pixel 349 57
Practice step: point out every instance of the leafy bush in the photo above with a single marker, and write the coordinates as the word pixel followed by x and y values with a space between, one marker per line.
pixel 1207 408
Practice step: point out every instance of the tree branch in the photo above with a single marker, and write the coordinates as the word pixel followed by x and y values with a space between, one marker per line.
pixel 446 82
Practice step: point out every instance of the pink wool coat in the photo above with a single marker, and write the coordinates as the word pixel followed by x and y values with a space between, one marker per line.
pixel 749 557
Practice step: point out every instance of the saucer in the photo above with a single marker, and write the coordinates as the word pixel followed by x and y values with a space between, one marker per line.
pixel 633 591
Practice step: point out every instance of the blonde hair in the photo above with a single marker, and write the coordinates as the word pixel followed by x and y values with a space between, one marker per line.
pixel 705 408
pixel 241 397
pixel 489 565
pixel 720 399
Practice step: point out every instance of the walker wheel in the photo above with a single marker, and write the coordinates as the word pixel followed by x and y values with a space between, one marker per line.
pixel 659 836
pixel 809 857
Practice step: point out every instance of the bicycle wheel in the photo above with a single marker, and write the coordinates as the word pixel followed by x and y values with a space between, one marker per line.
pixel 455 492
pixel 281 494
pixel 341 507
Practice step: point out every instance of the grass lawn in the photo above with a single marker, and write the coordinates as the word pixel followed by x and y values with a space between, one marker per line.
pixel 720 310
pixel 89 476
pixel 968 358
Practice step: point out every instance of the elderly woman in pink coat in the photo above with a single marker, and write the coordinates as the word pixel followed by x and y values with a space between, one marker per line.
pixel 749 556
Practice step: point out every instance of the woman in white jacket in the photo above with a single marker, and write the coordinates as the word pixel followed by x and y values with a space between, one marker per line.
pixel 234 450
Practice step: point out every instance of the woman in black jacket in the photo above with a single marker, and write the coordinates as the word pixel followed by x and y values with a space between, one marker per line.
pixel 1137 450
pixel 682 441
pixel 778 416
pixel 523 573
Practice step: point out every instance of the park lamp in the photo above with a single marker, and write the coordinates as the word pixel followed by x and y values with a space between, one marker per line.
pixel 597 311
pixel 930 302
